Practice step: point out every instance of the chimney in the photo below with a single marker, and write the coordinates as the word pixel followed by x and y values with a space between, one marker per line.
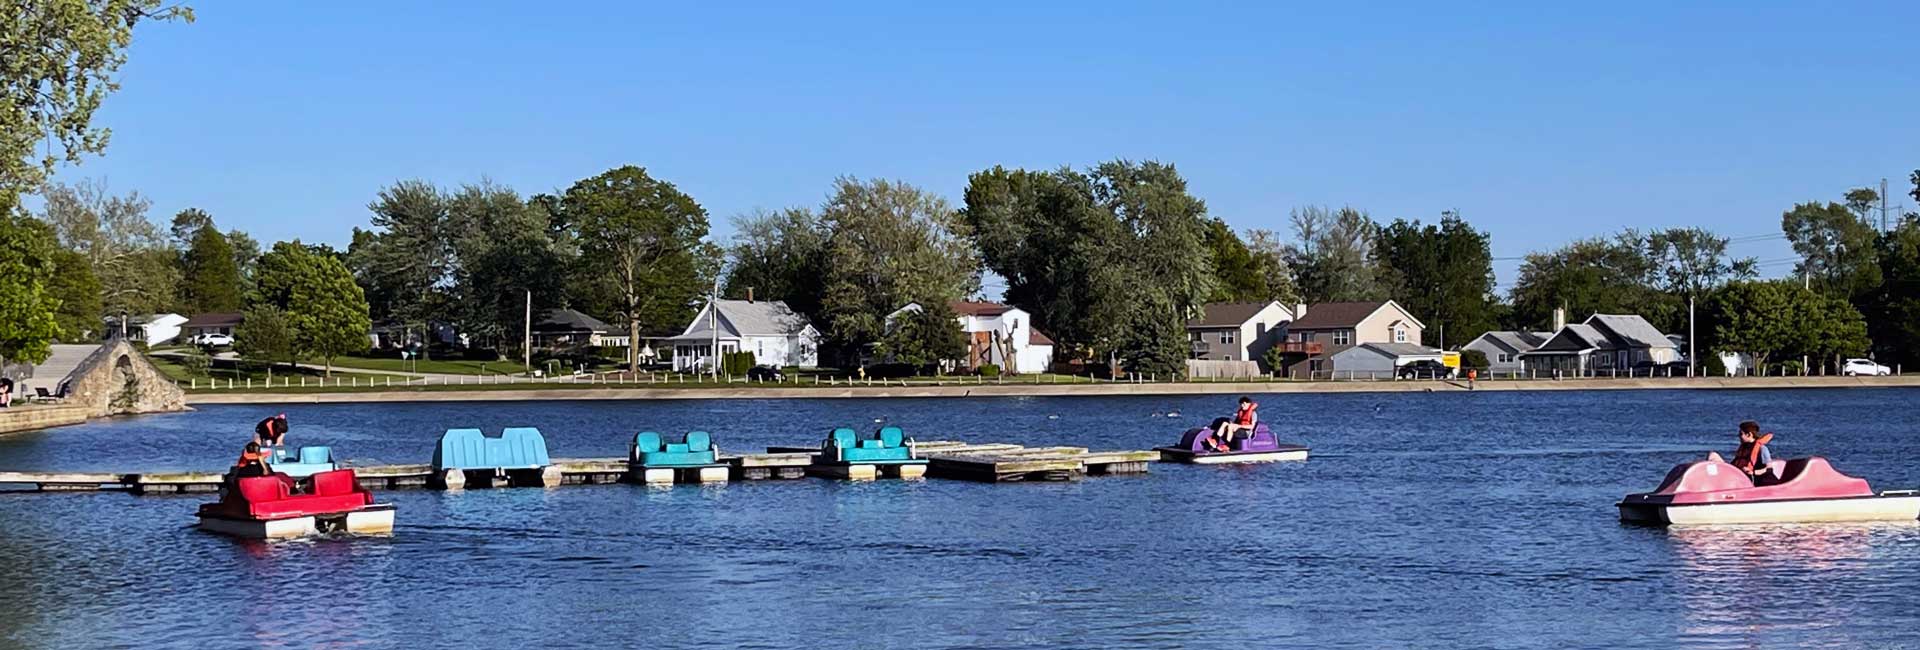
pixel 749 295
pixel 1559 318
pixel 1299 311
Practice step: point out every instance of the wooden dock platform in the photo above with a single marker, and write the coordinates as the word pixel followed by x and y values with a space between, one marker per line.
pixel 1000 462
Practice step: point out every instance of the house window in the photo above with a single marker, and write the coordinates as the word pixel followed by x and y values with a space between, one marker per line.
pixel 1259 330
pixel 1226 337
pixel 1195 336
pixel 1505 358
pixel 1342 337
pixel 1399 335
pixel 1306 337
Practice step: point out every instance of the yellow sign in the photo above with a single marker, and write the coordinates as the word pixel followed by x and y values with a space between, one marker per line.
pixel 1450 359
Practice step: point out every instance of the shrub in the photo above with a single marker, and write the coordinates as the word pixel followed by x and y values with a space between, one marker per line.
pixel 736 363
pixel 1792 367
pixel 196 362
pixel 1714 367
pixel 892 370
pixel 1474 359
pixel 989 370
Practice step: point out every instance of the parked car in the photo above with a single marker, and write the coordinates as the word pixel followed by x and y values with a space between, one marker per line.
pixel 765 373
pixel 213 340
pixel 1651 369
pixel 1425 369
pixel 1857 367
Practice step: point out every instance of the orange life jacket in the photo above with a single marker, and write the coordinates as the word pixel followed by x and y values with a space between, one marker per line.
pixel 1747 457
pixel 1245 416
pixel 248 458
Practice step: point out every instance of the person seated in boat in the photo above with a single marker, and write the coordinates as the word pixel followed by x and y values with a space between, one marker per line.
pixel 271 432
pixel 1752 456
pixel 1240 425
pixel 252 463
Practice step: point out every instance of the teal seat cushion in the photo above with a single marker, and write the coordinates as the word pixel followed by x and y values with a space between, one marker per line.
pixel 699 440
pixel 870 444
pixel 647 441
pixel 843 438
pixel 891 436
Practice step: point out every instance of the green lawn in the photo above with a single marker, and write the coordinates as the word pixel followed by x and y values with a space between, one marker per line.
pixel 435 366
pixel 224 370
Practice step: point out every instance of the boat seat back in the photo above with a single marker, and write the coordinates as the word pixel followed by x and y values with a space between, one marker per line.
pixel 891 436
pixel 647 442
pixel 515 448
pixel 676 447
pixel 699 440
pixel 316 455
pixel 336 482
pixel 262 488
pixel 843 438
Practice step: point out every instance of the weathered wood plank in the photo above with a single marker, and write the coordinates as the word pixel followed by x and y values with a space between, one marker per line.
pixel 97 478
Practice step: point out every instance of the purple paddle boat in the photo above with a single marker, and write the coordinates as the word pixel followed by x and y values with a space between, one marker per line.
pixel 1262 447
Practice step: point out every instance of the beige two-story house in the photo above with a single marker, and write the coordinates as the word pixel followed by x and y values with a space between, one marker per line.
pixel 1329 328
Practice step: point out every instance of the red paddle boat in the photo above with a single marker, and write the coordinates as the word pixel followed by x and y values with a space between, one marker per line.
pixel 267 507
pixel 1712 491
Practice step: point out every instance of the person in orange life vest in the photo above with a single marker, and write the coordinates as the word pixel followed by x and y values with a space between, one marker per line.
pixel 252 463
pixel 1752 456
pixel 271 432
pixel 1241 424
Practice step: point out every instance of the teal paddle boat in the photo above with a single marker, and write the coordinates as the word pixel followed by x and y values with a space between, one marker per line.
pixel 888 453
pixel 653 461
pixel 518 456
pixel 307 462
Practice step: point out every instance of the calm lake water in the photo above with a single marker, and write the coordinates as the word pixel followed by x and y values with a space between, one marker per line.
pixel 1444 520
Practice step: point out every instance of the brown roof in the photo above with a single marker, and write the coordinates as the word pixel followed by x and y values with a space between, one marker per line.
pixel 1034 337
pixel 970 308
pixel 214 319
pixel 1226 314
pixel 1329 315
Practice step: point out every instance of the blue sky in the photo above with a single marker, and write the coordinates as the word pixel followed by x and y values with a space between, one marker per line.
pixel 1539 122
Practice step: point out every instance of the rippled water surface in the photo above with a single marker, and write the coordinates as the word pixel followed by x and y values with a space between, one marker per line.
pixel 1423 520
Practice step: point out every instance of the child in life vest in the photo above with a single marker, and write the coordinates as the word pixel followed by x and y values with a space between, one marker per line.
pixel 1240 425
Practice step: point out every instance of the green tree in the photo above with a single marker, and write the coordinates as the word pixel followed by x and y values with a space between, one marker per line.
pixel 1835 247
pixel 644 237
pixel 27 306
pixel 186 224
pixel 58 66
pixel 1692 262
pixel 1599 275
pixel 889 243
pixel 138 274
pixel 267 335
pixel 73 282
pixel 1270 254
pixel 925 337
pixel 1779 319
pixel 780 256
pixel 503 253
pixel 328 310
pixel 1896 305
pixel 246 253
pixel 212 281
pixel 1442 273
pixel 1241 277
pixel 1333 255
pixel 407 259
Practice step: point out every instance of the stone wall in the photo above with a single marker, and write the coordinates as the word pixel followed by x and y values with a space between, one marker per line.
pixel 118 379
pixel 29 417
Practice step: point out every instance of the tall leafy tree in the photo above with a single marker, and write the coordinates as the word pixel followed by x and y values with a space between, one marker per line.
pixel 504 253
pixel 1240 276
pixel 889 243
pixel 925 337
pixel 186 224
pixel 409 255
pixel 128 253
pixel 780 256
pixel 1895 326
pixel 1598 275
pixel 246 252
pixel 27 306
pixel 1270 256
pixel 646 239
pixel 1333 255
pixel 74 284
pixel 1835 247
pixel 327 308
pixel 1779 319
pixel 1691 262
pixel 212 280
pixel 267 335
pixel 1442 273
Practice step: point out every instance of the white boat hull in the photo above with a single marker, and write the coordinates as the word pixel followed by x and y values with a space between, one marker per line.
pixel 1856 509
pixel 1233 458
pixel 372 520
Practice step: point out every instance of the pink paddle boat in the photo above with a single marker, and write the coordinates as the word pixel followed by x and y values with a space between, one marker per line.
pixel 1713 491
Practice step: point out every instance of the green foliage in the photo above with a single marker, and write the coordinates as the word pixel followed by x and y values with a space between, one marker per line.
pixel 1442 273
pixel 1714 366
pixel 1791 367
pixel 1896 303
pixel 138 274
pixel 74 284
pixel 925 337
pixel 27 306
pixel 1474 359
pixel 1273 360
pixel 58 68
pixel 212 280
pixel 888 243
pixel 503 250
pixel 642 240
pixel 989 370
pixel 196 362
pixel 1692 262
pixel 1600 275
pixel 328 310
pixel 1333 257
pixel 780 256
pixel 186 224
pixel 267 335
pixel 1240 277
pixel 1270 256
pixel 737 363
pixel 405 262
pixel 1779 318
pixel 1836 249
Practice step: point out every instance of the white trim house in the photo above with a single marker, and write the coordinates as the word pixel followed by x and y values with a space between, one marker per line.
pixel 993 331
pixel 776 335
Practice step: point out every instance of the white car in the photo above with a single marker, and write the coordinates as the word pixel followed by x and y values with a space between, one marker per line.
pixel 1857 367
pixel 213 340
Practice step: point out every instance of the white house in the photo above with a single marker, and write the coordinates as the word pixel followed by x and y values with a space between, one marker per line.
pixel 1238 331
pixel 154 329
pixel 1002 335
pixel 1604 342
pixel 776 335
pixel 1380 360
pixel 1503 349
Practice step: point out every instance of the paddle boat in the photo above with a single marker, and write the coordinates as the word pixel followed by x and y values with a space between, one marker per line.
pixel 1713 491
pixel 268 507
pixel 653 461
pixel 309 461
pixel 518 456
pixel 888 453
pixel 1261 447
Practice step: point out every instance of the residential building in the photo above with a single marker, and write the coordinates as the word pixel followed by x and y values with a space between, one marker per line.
pixel 1604 342
pixel 1328 328
pixel 1503 349
pixel 1237 331
pixel 567 328
pixel 153 329
pixel 211 323
pixel 1380 360
pixel 775 334
pixel 1002 335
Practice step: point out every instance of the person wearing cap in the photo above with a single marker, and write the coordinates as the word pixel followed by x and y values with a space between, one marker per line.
pixel 1752 456
pixel 271 432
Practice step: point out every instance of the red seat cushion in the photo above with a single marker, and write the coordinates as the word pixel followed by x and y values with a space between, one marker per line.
pixel 259 489
pixel 335 482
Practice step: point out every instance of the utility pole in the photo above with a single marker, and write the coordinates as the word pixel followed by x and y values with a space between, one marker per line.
pixel 1692 361
pixel 713 326
pixel 1883 205
pixel 526 336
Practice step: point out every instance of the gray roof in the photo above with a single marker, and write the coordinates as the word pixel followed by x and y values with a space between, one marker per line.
pixel 568 320
pixel 1631 329
pixel 1226 314
pixel 1518 341
pixel 1400 349
pixel 741 318
pixel 1574 338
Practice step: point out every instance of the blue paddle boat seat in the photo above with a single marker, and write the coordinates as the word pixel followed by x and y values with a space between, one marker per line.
pixel 309 461
pixel 888 445
pixel 695 450
pixel 469 449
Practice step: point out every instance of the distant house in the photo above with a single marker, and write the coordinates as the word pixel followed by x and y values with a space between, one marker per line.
pixel 1237 331
pixel 567 328
pixel 1503 349
pixel 211 323
pixel 1604 342
pixel 1328 328
pixel 775 334
pixel 1002 335
pixel 153 329
pixel 1380 360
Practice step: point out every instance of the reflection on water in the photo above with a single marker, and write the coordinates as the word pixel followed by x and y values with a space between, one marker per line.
pixel 1425 520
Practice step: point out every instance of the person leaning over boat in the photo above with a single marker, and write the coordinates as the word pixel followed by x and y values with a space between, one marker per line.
pixel 1241 424
pixel 1752 457
pixel 271 432
pixel 252 463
